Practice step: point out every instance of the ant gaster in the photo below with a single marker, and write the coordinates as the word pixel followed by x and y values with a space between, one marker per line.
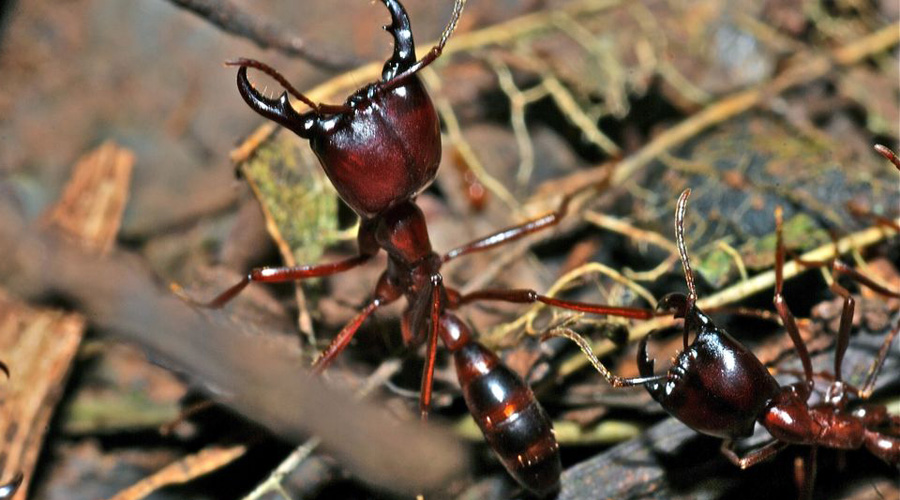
pixel 380 149
pixel 718 387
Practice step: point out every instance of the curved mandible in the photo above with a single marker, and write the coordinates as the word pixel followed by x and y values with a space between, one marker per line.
pixel 404 55
pixel 278 110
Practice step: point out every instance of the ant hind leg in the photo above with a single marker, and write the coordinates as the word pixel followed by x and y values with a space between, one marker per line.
pixel 753 457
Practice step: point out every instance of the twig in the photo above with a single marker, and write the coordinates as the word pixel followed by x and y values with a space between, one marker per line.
pixel 119 296
pixel 289 464
pixel 454 132
pixel 264 33
pixel 806 68
pixel 186 469
pixel 273 482
pixel 517 102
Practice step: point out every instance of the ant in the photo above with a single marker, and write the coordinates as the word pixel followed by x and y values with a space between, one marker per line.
pixel 718 387
pixel 380 149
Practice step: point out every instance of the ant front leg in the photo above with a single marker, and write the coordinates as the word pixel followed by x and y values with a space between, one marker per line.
pixel 280 275
pixel 849 303
pixel 875 369
pixel 367 250
pixel 790 324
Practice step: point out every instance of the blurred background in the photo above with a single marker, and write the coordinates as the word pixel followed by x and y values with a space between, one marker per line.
pixel 751 104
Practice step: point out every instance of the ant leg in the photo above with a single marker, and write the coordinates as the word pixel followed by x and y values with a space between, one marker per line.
pixel 805 474
pixel 431 351
pixel 843 338
pixel 790 324
pixel 611 379
pixel 279 275
pixel 839 266
pixel 754 457
pixel 512 233
pixel 343 337
pixel 526 296
pixel 883 446
pixel 869 386
pixel 887 153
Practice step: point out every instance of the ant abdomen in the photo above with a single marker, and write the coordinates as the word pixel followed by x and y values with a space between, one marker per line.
pixel 512 421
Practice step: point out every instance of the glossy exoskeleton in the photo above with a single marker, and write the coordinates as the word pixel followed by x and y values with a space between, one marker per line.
pixel 380 149
pixel 719 387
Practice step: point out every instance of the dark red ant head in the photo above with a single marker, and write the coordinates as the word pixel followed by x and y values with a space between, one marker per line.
pixel 383 146
pixel 716 385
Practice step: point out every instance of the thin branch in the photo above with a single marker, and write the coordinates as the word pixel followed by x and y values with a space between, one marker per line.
pixel 264 33
pixel 119 296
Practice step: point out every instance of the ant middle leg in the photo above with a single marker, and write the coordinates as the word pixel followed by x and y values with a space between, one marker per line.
pixel 343 338
pixel 511 233
pixel 385 293
pixel 528 296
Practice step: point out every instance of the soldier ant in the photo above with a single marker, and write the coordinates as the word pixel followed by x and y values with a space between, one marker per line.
pixel 718 387
pixel 380 149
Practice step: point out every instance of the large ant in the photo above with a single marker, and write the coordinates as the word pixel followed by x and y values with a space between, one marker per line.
pixel 380 149
pixel 718 387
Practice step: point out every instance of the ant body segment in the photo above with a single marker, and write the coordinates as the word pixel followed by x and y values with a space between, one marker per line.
pixel 380 149
pixel 718 387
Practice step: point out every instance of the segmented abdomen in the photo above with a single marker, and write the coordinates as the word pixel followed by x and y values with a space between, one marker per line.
pixel 513 423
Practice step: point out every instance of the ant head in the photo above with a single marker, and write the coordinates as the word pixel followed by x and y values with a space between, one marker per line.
pixel 716 385
pixel 383 145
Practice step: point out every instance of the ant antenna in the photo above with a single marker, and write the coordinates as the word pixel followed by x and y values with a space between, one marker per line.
pixel 680 208
pixel 458 7
pixel 613 380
